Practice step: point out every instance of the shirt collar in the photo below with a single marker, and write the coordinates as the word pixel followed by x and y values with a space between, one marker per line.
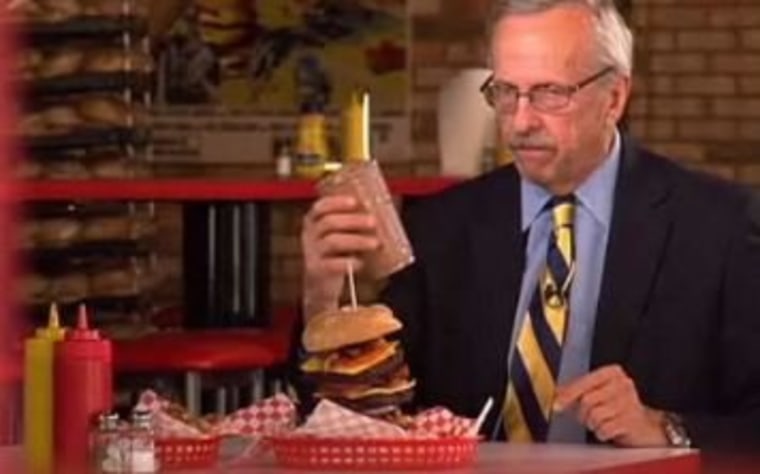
pixel 595 194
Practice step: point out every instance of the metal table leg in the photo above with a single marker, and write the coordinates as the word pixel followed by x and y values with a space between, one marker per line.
pixel 193 392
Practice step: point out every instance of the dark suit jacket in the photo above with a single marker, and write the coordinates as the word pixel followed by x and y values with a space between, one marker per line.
pixel 679 306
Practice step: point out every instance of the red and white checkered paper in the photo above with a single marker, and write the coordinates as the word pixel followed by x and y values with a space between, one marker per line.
pixel 276 416
pixel 330 420
pixel 439 422
pixel 165 425
pixel 270 417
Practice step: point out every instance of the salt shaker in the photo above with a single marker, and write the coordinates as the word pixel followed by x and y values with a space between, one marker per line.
pixel 109 451
pixel 142 457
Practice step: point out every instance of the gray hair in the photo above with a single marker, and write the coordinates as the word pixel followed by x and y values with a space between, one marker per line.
pixel 613 37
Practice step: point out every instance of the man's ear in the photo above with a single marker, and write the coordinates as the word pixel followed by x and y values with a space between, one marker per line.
pixel 621 92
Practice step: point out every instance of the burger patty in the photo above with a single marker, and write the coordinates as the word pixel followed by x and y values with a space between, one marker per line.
pixel 376 372
pixel 394 382
pixel 373 402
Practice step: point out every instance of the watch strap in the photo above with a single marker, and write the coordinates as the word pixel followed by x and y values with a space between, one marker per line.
pixel 675 431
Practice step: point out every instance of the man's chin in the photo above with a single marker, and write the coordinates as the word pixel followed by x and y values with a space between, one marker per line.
pixel 538 171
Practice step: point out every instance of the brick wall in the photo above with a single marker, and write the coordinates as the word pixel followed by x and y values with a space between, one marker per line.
pixel 697 88
pixel 696 97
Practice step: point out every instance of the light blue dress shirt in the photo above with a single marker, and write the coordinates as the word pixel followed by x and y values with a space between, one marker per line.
pixel 592 224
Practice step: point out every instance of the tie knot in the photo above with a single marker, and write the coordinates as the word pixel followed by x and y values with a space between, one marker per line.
pixel 563 211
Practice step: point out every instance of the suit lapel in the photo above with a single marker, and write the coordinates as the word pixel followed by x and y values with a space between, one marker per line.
pixel 638 236
pixel 498 258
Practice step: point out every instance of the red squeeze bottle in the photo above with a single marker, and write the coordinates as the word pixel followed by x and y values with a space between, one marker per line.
pixel 83 388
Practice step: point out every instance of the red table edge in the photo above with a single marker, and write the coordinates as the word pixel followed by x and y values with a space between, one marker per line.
pixel 690 463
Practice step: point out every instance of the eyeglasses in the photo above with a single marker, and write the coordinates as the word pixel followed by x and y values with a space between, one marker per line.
pixel 504 96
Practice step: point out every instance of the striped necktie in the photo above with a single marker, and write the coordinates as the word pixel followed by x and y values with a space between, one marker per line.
pixel 538 352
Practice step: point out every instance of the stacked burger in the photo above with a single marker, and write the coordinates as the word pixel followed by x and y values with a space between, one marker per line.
pixel 353 364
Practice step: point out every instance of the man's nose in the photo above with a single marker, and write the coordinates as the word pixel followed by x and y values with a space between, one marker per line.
pixel 525 117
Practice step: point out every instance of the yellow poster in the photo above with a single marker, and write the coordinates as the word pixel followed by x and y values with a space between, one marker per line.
pixel 280 56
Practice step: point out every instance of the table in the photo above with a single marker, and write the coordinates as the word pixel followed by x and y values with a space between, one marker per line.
pixel 504 459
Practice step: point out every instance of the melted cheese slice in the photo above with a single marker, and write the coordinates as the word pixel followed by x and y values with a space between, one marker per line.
pixel 333 362
pixel 368 391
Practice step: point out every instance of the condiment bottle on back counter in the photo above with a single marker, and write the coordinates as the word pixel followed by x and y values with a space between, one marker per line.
pixel 83 390
pixel 38 394
pixel 311 146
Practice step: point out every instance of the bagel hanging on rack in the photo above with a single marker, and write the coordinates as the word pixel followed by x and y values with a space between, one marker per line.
pixel 106 110
pixel 117 60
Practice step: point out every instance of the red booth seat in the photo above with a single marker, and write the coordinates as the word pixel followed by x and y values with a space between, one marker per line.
pixel 202 350
pixel 197 351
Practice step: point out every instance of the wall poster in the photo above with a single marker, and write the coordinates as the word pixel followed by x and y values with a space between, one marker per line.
pixel 233 74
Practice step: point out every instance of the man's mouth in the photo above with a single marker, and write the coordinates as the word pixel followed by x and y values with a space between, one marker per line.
pixel 532 152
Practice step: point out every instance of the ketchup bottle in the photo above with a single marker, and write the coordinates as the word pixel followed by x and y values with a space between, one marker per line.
pixel 83 388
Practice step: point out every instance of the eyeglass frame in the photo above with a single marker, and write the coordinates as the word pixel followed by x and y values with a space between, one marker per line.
pixel 568 91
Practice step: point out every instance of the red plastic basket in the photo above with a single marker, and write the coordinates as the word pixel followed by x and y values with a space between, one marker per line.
pixel 382 454
pixel 184 453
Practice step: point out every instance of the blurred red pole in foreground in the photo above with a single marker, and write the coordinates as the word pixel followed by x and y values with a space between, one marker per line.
pixel 9 335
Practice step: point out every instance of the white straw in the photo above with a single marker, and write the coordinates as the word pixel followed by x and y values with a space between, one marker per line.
pixel 351 284
pixel 475 428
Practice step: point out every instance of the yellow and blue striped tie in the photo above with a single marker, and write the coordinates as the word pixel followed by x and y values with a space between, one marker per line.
pixel 538 352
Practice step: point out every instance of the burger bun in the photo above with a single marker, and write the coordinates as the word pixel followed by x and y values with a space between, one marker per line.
pixel 334 329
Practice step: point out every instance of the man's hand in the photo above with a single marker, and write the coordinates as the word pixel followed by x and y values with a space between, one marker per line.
pixel 335 232
pixel 608 404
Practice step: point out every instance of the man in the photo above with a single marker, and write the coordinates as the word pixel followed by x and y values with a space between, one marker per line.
pixel 631 320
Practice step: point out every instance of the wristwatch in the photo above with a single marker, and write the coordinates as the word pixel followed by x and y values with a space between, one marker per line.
pixel 675 431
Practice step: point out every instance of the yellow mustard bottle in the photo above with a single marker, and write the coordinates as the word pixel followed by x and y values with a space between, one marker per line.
pixel 38 394
pixel 311 145
pixel 356 132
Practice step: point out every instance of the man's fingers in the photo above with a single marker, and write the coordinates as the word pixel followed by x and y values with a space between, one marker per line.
pixel 600 415
pixel 344 244
pixel 331 255
pixel 604 395
pixel 573 391
pixel 335 231
pixel 332 223
pixel 609 405
pixel 332 204
pixel 610 430
pixel 335 227
pixel 336 215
